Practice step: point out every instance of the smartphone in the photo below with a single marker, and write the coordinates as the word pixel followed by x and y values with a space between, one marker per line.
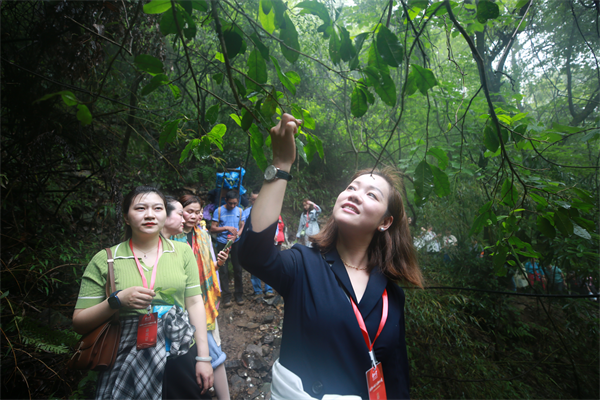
pixel 227 245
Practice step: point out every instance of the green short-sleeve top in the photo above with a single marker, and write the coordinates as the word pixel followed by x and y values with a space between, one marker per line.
pixel 177 269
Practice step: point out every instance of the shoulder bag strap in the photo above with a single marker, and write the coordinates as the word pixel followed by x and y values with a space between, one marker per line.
pixel 111 287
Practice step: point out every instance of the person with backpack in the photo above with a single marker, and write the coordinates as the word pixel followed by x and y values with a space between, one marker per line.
pixel 227 224
pixel 309 224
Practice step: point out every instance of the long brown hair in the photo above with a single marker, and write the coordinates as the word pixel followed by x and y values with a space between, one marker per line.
pixel 392 250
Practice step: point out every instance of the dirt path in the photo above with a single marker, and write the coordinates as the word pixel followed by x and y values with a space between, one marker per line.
pixel 251 338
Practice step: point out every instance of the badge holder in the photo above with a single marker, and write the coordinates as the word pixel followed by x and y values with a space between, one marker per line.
pixel 375 381
pixel 147 330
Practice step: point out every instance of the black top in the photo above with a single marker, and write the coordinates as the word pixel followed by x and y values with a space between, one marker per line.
pixel 322 342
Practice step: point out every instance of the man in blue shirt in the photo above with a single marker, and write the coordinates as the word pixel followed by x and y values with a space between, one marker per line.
pixel 256 283
pixel 227 224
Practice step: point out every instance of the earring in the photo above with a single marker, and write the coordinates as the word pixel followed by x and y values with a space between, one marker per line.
pixel 382 229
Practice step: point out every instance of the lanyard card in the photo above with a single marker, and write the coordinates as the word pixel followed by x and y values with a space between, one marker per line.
pixel 147 329
pixel 375 383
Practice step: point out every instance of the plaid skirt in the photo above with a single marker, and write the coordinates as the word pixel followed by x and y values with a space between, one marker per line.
pixel 138 374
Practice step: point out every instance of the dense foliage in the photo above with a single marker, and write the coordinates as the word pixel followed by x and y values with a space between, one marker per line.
pixel 489 109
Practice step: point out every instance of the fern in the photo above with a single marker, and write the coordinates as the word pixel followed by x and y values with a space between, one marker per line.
pixel 44 338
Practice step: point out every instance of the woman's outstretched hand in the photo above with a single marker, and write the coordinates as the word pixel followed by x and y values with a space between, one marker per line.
pixel 283 141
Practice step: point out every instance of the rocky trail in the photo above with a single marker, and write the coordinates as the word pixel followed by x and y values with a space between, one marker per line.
pixel 251 338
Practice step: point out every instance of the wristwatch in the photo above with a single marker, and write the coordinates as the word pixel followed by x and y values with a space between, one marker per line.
pixel 272 173
pixel 113 301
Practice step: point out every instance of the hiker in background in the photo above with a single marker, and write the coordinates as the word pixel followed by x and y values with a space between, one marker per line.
pixel 280 236
pixel 556 279
pixel 449 244
pixel 227 224
pixel 430 239
pixel 535 273
pixel 309 224
pixel 256 283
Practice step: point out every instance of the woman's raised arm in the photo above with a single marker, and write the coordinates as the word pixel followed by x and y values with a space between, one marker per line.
pixel 267 207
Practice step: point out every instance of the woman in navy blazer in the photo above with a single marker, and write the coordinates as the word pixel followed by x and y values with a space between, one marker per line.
pixel 364 249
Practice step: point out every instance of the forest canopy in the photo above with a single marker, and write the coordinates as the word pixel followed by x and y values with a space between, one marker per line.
pixel 488 110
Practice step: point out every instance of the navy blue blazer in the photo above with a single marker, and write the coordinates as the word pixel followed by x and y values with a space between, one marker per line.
pixel 322 342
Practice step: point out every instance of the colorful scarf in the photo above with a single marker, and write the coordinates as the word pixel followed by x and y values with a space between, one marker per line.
pixel 207 268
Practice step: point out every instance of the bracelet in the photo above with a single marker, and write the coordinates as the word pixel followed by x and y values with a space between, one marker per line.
pixel 209 358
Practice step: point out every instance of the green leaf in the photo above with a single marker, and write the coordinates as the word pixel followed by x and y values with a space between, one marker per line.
pixel 487 10
pixel 335 47
pixel 423 77
pixel 145 62
pixel 218 78
pixel 220 57
pixel 67 97
pixel 581 232
pixel 190 146
pixel 387 90
pixel 315 8
pixel 84 115
pixel 538 199
pixel 522 3
pixel 175 90
pixel 358 102
pixel 545 227
pixel 389 47
pixel 256 146
pixel 374 60
pixel 167 22
pixel 490 138
pixel 247 119
pixel 216 135
pixel 190 30
pixel 168 134
pixel 423 182
pixel 233 42
pixel 240 87
pixel 157 6
pixel 441 184
pixel 585 223
pixel 563 222
pixel 293 77
pixel 266 18
pixel 310 149
pixel 257 70
pixel 283 78
pixel 186 4
pixel 479 223
pixel 212 113
pixel 269 106
pixel 319 145
pixel 200 5
pixel 300 147
pixel 509 193
pixel 289 36
pixel 308 121
pixel 441 156
pixel 155 82
pixel 358 43
pixel 347 50
pixel 264 50
pixel 237 119
pixel 500 260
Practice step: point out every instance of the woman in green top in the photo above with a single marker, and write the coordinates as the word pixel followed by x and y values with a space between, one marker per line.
pixel 165 264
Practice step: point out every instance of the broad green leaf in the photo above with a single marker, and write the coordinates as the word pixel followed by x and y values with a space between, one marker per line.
pixel 487 10
pixel 490 138
pixel 283 78
pixel 500 260
pixel 289 36
pixel 310 149
pixel 441 156
pixel 190 146
pixel 67 97
pixel 212 114
pixel 219 56
pixel 441 184
pixel 581 232
pixel 175 90
pixel 241 89
pixel 522 3
pixel 300 147
pixel 374 60
pixel 347 50
pixel 520 130
pixel 236 118
pixel 168 133
pixel 563 222
pixel 389 47
pixel 335 47
pixel 296 111
pixel 199 5
pixel 216 135
pixel 167 22
pixel 157 6
pixel 257 70
pixel 233 42
pixel 264 50
pixel 358 43
pixel 266 18
pixel 155 82
pixel 315 8
pixel 365 90
pixel 387 90
pixel 186 4
pixel 358 102
pixel 268 106
pixel 584 195
pixel 423 182
pixel 479 223
pixel 319 145
pixel 565 129
pixel 538 199
pixel 509 193
pixel 256 146
pixel 293 77
pixel 308 121
pixel 585 223
pixel 424 78
pixel 486 207
pixel 218 78
pixel 84 115
pixel 246 120
pixel 545 227
pixel 190 30
pixel 145 62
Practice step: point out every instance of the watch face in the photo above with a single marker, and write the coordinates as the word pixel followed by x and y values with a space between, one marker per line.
pixel 113 302
pixel 270 172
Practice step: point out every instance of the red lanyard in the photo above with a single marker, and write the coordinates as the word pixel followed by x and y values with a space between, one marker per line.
pixel 307 220
pixel 137 262
pixel 363 327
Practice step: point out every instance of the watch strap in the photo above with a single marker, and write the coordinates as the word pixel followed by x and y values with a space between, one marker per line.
pixel 283 175
pixel 110 279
